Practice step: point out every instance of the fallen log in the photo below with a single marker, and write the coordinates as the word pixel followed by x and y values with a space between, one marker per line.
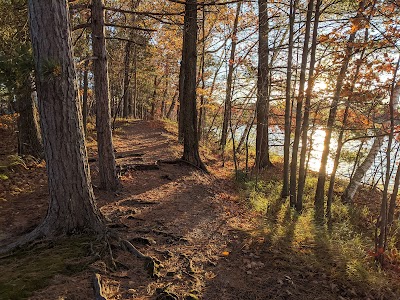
pixel 138 156
pixel 137 167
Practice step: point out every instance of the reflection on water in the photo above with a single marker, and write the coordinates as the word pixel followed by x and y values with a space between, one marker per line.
pixel 316 139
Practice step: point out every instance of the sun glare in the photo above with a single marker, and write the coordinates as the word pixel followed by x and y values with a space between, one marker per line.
pixel 320 86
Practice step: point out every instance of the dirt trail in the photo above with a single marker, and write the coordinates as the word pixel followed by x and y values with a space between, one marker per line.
pixel 191 222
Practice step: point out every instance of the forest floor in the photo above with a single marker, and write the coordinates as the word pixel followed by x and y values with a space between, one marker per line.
pixel 210 244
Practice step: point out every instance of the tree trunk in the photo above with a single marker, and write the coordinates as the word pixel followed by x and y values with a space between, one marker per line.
pixel 202 109
pixel 29 135
pixel 228 92
pixel 181 91
pixel 153 101
pixel 172 107
pixel 393 197
pixel 382 221
pixel 299 107
pixel 341 133
pixel 72 207
pixel 85 95
pixel 320 191
pixel 286 147
pixel 165 94
pixel 307 108
pixel 127 63
pixel 107 168
pixel 188 104
pixel 133 107
pixel 360 172
pixel 262 105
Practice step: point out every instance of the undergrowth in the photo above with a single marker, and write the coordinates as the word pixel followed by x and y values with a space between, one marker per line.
pixel 343 253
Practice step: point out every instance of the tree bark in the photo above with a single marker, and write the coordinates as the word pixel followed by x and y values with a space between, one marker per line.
pixel 85 95
pixel 29 135
pixel 299 107
pixel 188 101
pixel 72 207
pixel 180 97
pixel 133 107
pixel 202 109
pixel 320 191
pixel 127 63
pixel 262 105
pixel 228 91
pixel 307 108
pixel 341 133
pixel 172 106
pixel 286 147
pixel 107 168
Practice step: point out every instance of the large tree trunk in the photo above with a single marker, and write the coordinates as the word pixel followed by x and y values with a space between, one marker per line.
pixel 228 92
pixel 72 207
pixel 288 101
pixel 262 109
pixel 107 168
pixel 188 101
pixel 29 136
pixel 299 107
pixel 320 191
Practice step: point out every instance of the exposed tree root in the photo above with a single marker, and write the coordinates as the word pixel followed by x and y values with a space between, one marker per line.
pixel 151 265
pixel 181 161
pixel 98 292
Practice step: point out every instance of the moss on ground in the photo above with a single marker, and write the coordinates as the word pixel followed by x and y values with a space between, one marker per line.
pixel 29 270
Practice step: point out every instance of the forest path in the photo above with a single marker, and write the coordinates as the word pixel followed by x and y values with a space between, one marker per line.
pixel 209 244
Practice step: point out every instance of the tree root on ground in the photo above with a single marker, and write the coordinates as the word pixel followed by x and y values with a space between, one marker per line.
pixel 98 291
pixel 151 264
pixel 121 155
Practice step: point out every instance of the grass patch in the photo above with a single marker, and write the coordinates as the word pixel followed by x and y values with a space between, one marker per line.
pixel 343 253
pixel 29 270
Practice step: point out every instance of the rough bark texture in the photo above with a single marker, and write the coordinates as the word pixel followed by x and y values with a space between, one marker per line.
pixel 188 100
pixel 262 143
pixel 72 207
pixel 29 135
pixel 360 172
pixel 107 169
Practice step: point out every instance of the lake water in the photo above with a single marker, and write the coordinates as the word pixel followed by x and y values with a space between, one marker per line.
pixel 376 172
